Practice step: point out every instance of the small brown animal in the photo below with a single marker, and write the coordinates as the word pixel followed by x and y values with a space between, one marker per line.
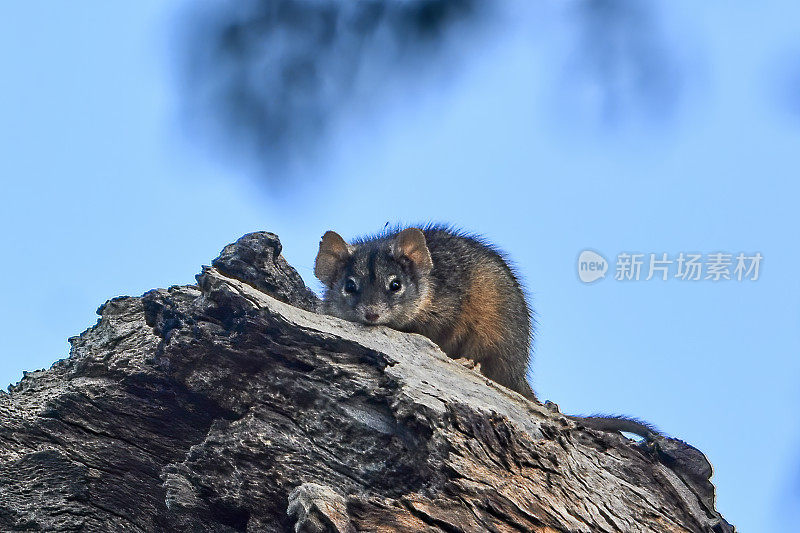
pixel 454 288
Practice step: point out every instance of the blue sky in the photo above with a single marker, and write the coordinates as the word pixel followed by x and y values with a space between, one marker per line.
pixel 106 195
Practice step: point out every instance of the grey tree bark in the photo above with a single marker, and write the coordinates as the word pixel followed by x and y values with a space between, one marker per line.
pixel 231 406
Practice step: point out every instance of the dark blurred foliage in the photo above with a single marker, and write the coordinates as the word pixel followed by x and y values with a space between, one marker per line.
pixel 621 67
pixel 269 76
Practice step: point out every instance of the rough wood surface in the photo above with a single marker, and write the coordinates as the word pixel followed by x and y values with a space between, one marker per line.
pixel 218 407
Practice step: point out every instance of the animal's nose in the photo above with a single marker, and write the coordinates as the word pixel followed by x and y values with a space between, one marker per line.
pixel 371 317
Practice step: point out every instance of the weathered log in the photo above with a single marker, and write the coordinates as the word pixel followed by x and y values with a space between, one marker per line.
pixel 230 406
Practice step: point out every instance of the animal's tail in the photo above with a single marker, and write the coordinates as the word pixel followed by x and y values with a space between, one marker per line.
pixel 618 423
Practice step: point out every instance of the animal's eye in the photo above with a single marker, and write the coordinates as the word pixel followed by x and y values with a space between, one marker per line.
pixel 350 286
pixel 394 285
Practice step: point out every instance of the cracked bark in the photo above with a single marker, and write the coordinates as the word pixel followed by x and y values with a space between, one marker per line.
pixel 231 406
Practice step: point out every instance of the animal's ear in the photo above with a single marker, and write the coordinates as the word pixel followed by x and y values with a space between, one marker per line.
pixel 410 243
pixel 332 255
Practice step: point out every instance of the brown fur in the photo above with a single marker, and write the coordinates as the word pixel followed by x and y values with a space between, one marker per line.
pixel 455 289
pixel 478 325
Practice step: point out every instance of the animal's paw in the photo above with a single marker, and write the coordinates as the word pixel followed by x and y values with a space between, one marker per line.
pixel 469 363
pixel 318 509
